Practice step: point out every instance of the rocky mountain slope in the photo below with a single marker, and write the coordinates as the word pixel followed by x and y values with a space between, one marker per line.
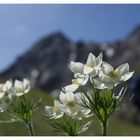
pixel 46 64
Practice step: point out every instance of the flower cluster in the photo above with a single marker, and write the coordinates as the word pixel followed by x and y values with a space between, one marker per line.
pixel 79 101
pixel 70 105
pixel 18 106
pixel 9 90
pixel 100 73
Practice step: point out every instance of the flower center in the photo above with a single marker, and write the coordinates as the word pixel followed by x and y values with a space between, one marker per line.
pixel 90 65
pixel 7 100
pixel 71 104
pixel 20 90
pixel 113 74
pixel 75 81
pixel 56 110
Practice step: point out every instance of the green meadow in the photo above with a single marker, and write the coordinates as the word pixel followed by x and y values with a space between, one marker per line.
pixel 42 126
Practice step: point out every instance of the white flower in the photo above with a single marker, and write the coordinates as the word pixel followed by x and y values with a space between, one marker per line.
pixel 75 84
pixel 55 112
pixel 91 67
pixel 78 112
pixel 108 77
pixel 93 64
pixel 4 88
pixel 5 102
pixel 76 67
pixel 73 105
pixel 21 87
pixel 69 99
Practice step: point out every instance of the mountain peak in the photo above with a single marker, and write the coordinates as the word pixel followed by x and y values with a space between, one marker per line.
pixel 135 32
pixel 46 63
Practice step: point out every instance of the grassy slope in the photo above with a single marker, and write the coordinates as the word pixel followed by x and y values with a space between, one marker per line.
pixel 43 128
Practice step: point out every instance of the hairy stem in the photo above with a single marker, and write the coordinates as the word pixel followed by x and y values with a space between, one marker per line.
pixel 30 128
pixel 104 128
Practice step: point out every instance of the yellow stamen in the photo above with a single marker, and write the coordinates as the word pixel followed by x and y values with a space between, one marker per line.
pixel 71 104
pixel 75 81
pixel 56 110
pixel 113 74
pixel 90 65
pixel 20 90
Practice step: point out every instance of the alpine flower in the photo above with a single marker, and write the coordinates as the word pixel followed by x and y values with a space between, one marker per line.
pixel 110 77
pixel 75 84
pixel 91 67
pixel 4 88
pixel 21 87
pixel 54 112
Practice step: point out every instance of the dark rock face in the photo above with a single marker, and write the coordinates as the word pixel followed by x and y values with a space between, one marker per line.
pixel 135 87
pixel 46 64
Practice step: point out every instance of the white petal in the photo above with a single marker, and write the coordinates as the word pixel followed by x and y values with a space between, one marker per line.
pixel 4 103
pixel 68 112
pixel 66 97
pixel 103 75
pixel 103 83
pixel 99 59
pixel 70 96
pixel 7 85
pixel 19 93
pixel 56 103
pixel 18 84
pixel 62 96
pixel 59 115
pixel 126 76
pixel 71 88
pixel 95 72
pixel 21 87
pixel 92 80
pixel 122 69
pixel 106 68
pixel 86 113
pixel 79 75
pixel 59 105
pixel 79 112
pixel 49 111
pixel 91 59
pixel 76 67
pixel 87 70
pixel 51 114
pixel 12 91
pixel 99 84
pixel 26 84
pixel 82 81
pixel 78 97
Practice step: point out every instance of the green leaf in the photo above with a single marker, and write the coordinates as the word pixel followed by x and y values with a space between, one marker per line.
pixel 102 113
pixel 85 127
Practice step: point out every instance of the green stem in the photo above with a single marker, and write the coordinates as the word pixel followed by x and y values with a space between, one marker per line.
pixel 104 128
pixel 30 128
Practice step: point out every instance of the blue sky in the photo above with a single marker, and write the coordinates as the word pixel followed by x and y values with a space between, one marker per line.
pixel 22 25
